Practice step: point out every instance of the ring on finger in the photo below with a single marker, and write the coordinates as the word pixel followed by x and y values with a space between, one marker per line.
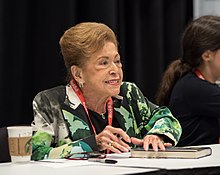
pixel 110 143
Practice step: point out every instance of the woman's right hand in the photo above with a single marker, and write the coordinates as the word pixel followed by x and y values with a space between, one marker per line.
pixel 113 139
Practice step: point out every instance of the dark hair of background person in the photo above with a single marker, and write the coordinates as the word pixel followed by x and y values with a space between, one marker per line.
pixel 148 32
pixel 199 36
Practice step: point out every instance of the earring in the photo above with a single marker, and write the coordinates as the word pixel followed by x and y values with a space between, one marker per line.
pixel 80 85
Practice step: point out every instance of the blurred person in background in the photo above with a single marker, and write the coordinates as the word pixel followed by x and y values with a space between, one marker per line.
pixel 188 86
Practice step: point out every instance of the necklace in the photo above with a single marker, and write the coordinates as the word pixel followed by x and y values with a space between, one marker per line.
pixel 78 92
pixel 103 116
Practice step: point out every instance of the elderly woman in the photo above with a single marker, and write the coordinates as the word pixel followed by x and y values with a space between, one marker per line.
pixel 96 110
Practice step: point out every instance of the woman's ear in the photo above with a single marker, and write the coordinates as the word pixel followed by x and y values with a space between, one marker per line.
pixel 207 55
pixel 77 73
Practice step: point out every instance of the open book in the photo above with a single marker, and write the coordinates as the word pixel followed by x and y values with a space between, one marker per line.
pixel 173 152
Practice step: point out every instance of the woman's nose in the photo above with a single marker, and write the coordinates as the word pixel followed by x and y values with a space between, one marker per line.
pixel 114 68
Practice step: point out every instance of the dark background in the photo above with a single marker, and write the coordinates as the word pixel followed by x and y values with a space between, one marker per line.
pixel 148 32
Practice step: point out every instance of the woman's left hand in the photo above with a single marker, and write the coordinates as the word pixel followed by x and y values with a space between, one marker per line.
pixel 154 140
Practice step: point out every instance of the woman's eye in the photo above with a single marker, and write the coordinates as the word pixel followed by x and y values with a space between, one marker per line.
pixel 104 62
pixel 118 61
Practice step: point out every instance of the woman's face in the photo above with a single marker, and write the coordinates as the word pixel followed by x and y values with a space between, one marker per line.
pixel 102 73
pixel 214 64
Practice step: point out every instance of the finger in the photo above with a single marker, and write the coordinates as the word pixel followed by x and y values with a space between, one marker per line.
pixel 119 133
pixel 108 144
pixel 107 136
pixel 146 144
pixel 155 145
pixel 168 144
pixel 113 148
pixel 136 141
pixel 121 146
pixel 151 140
pixel 121 142
pixel 103 143
pixel 161 145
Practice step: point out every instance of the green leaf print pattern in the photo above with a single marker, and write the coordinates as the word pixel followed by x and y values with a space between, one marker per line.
pixel 78 128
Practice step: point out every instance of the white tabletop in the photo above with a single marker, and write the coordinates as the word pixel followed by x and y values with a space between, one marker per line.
pixel 40 169
pixel 125 165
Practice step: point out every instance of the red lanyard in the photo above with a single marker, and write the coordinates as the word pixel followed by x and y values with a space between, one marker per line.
pixel 199 74
pixel 78 92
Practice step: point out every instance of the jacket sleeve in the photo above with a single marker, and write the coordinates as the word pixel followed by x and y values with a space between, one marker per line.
pixel 51 136
pixel 152 119
pixel 163 123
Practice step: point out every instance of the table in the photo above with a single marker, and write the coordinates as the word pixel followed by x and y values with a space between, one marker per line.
pixel 125 165
pixel 34 168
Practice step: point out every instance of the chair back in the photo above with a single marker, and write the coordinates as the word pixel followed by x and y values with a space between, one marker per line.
pixel 4 150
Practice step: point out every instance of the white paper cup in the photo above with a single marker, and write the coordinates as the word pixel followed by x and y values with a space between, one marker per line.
pixel 20 143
